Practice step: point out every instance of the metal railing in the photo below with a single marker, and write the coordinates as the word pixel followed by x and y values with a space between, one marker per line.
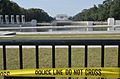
pixel 53 43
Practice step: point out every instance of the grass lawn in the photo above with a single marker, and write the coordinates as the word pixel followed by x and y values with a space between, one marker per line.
pixel 45 59
pixel 65 36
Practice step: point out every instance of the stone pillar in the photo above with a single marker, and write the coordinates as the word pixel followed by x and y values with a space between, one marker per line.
pixel 117 22
pixel 7 19
pixel 89 23
pixel 34 22
pixel 12 19
pixel 1 19
pixel 111 21
pixel 17 19
pixel 23 19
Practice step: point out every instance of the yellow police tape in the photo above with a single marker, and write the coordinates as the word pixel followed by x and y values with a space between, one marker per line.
pixel 96 72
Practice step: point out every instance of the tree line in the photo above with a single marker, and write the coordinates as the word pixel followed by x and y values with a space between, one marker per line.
pixel 108 9
pixel 8 7
pixel 101 12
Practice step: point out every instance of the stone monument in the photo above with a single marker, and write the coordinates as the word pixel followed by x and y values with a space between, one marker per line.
pixel 90 23
pixel 34 22
pixel 7 19
pixel 23 19
pixel 111 21
pixel 17 19
pixel 12 19
pixel 1 19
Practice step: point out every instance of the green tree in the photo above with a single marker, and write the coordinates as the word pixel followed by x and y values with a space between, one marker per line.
pixel 11 8
pixel 100 13
pixel 115 9
pixel 104 10
pixel 87 14
pixel 38 14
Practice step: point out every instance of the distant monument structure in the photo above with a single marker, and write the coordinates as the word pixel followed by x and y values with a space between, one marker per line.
pixel 61 17
pixel 61 20
pixel 17 21
pixel 1 19
pixel 7 19
pixel 23 19
pixel 111 21
pixel 11 19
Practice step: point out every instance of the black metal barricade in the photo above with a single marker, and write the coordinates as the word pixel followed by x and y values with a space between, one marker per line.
pixel 53 43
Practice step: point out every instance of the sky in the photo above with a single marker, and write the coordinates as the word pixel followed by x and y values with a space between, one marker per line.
pixel 54 7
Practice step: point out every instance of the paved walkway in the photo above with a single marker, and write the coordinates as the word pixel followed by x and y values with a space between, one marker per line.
pixel 70 32
pixel 74 36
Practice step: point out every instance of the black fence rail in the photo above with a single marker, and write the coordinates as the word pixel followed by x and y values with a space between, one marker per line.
pixel 53 43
